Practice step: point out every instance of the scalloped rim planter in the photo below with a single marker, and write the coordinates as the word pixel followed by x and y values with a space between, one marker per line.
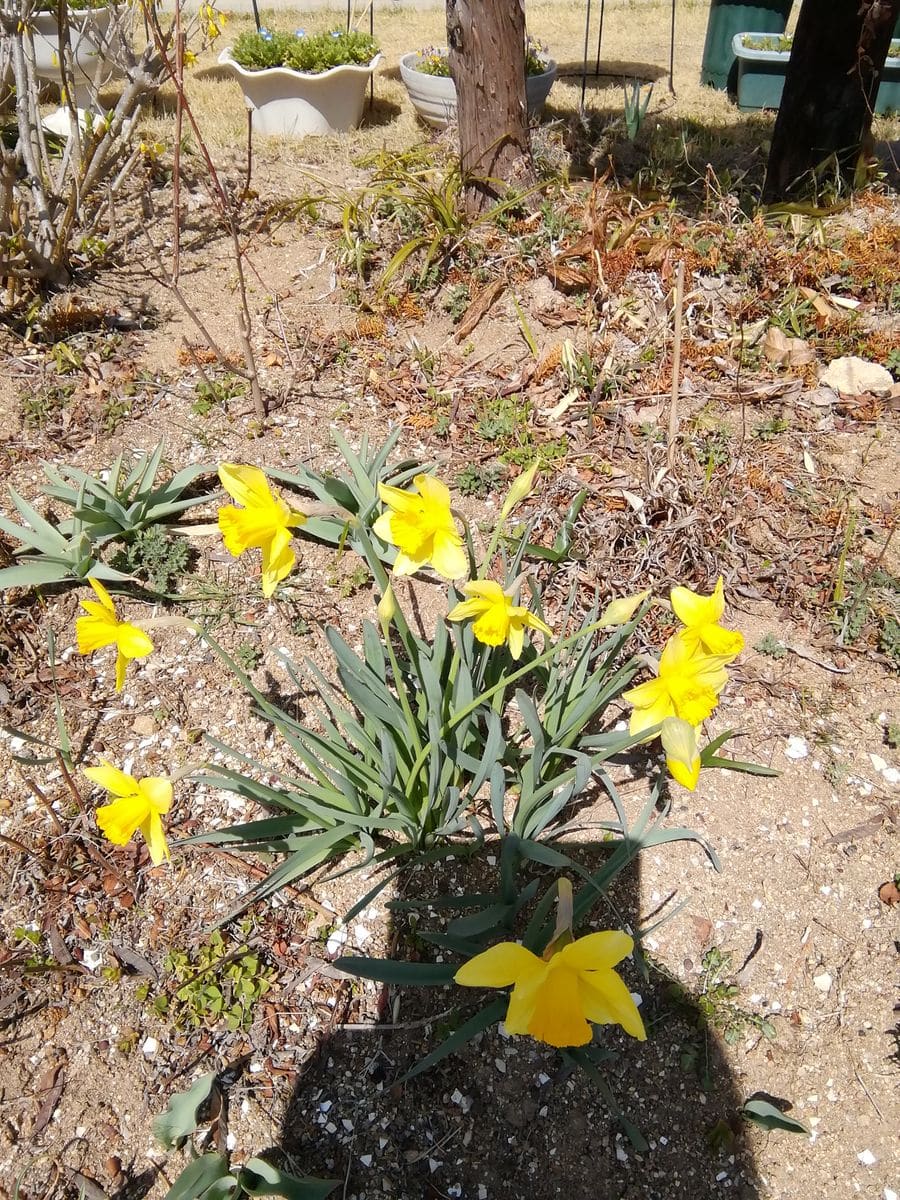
pixel 295 103
pixel 434 96
pixel 761 75
pixel 89 30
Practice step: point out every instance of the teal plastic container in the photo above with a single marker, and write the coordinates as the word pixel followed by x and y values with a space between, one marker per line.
pixel 726 18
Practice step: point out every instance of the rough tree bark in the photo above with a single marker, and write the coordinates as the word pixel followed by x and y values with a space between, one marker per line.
pixel 832 80
pixel 486 39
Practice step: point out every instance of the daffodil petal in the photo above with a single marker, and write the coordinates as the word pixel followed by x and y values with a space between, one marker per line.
pixel 433 491
pixel 533 621
pixel 607 1001
pixel 499 966
pixel 102 595
pixel 486 589
pixel 277 560
pixel 693 609
pixel 465 609
pixel 154 835
pixel 112 779
pixel 516 639
pixel 157 792
pixel 522 1001
pixel 132 640
pixel 246 485
pixel 398 499
pixel 404 565
pixel 448 557
pixel 596 951
pixel 95 632
pixel 381 527
pixel 119 820
pixel 720 641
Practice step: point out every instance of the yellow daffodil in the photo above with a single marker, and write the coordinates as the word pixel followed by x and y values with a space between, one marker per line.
pixel 139 804
pixel 554 999
pixel 687 686
pixel 700 616
pixel 422 528
pixel 265 522
pixel 103 628
pixel 679 740
pixel 498 619
pixel 620 612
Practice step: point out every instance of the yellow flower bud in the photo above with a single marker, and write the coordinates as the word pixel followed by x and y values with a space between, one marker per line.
pixel 387 607
pixel 521 487
pixel 620 612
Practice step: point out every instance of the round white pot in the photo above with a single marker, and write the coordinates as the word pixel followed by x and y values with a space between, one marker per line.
pixel 89 38
pixel 434 96
pixel 293 103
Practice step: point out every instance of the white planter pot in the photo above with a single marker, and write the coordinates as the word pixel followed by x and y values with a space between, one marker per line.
pixel 434 96
pixel 93 52
pixel 293 103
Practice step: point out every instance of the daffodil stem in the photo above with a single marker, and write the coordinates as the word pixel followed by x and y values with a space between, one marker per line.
pixel 402 694
pixel 499 686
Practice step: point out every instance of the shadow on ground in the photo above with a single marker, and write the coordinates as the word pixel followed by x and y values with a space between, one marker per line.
pixel 507 1117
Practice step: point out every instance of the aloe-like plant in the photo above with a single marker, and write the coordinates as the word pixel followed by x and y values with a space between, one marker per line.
pixel 103 510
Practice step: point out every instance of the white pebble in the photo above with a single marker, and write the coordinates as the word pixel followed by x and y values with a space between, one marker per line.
pixel 796 748
pixel 867 1158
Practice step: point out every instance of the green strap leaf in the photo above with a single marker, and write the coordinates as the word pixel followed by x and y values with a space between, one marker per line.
pixel 482 1020
pixel 764 1114
pixel 181 1117
pixel 206 1178
pixel 259 1178
pixel 402 974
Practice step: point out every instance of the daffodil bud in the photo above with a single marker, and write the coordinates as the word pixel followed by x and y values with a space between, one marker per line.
pixel 521 487
pixel 679 740
pixel 620 612
pixel 387 607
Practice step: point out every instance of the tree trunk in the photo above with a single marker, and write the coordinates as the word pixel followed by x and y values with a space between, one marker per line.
pixel 840 48
pixel 486 39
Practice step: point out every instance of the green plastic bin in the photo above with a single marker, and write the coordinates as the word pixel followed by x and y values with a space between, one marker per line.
pixel 726 18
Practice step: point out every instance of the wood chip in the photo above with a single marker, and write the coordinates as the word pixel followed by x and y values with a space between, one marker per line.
pixel 479 308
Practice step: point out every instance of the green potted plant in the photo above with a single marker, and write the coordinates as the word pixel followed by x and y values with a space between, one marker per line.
pixel 426 74
pixel 726 18
pixel 298 83
pixel 762 62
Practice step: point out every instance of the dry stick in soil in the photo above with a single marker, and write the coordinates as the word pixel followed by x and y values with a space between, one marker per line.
pixel 226 209
pixel 676 367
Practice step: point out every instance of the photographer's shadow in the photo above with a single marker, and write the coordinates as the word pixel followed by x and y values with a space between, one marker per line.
pixel 509 1118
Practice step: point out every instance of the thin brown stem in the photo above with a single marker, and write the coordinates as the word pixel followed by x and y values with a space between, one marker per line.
pixel 676 368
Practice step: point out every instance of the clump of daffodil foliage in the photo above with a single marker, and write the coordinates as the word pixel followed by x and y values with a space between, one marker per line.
pixel 413 749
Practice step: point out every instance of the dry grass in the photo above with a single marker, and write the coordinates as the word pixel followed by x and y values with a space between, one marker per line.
pixel 635 42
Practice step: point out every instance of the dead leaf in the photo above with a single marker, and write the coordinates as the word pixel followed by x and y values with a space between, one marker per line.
pixel 853 376
pixel 49 1085
pixel 889 893
pixel 785 351
pixel 478 308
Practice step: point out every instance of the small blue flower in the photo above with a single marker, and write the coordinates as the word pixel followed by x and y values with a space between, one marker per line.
pixel 299 33
pixel 335 33
pixel 265 34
